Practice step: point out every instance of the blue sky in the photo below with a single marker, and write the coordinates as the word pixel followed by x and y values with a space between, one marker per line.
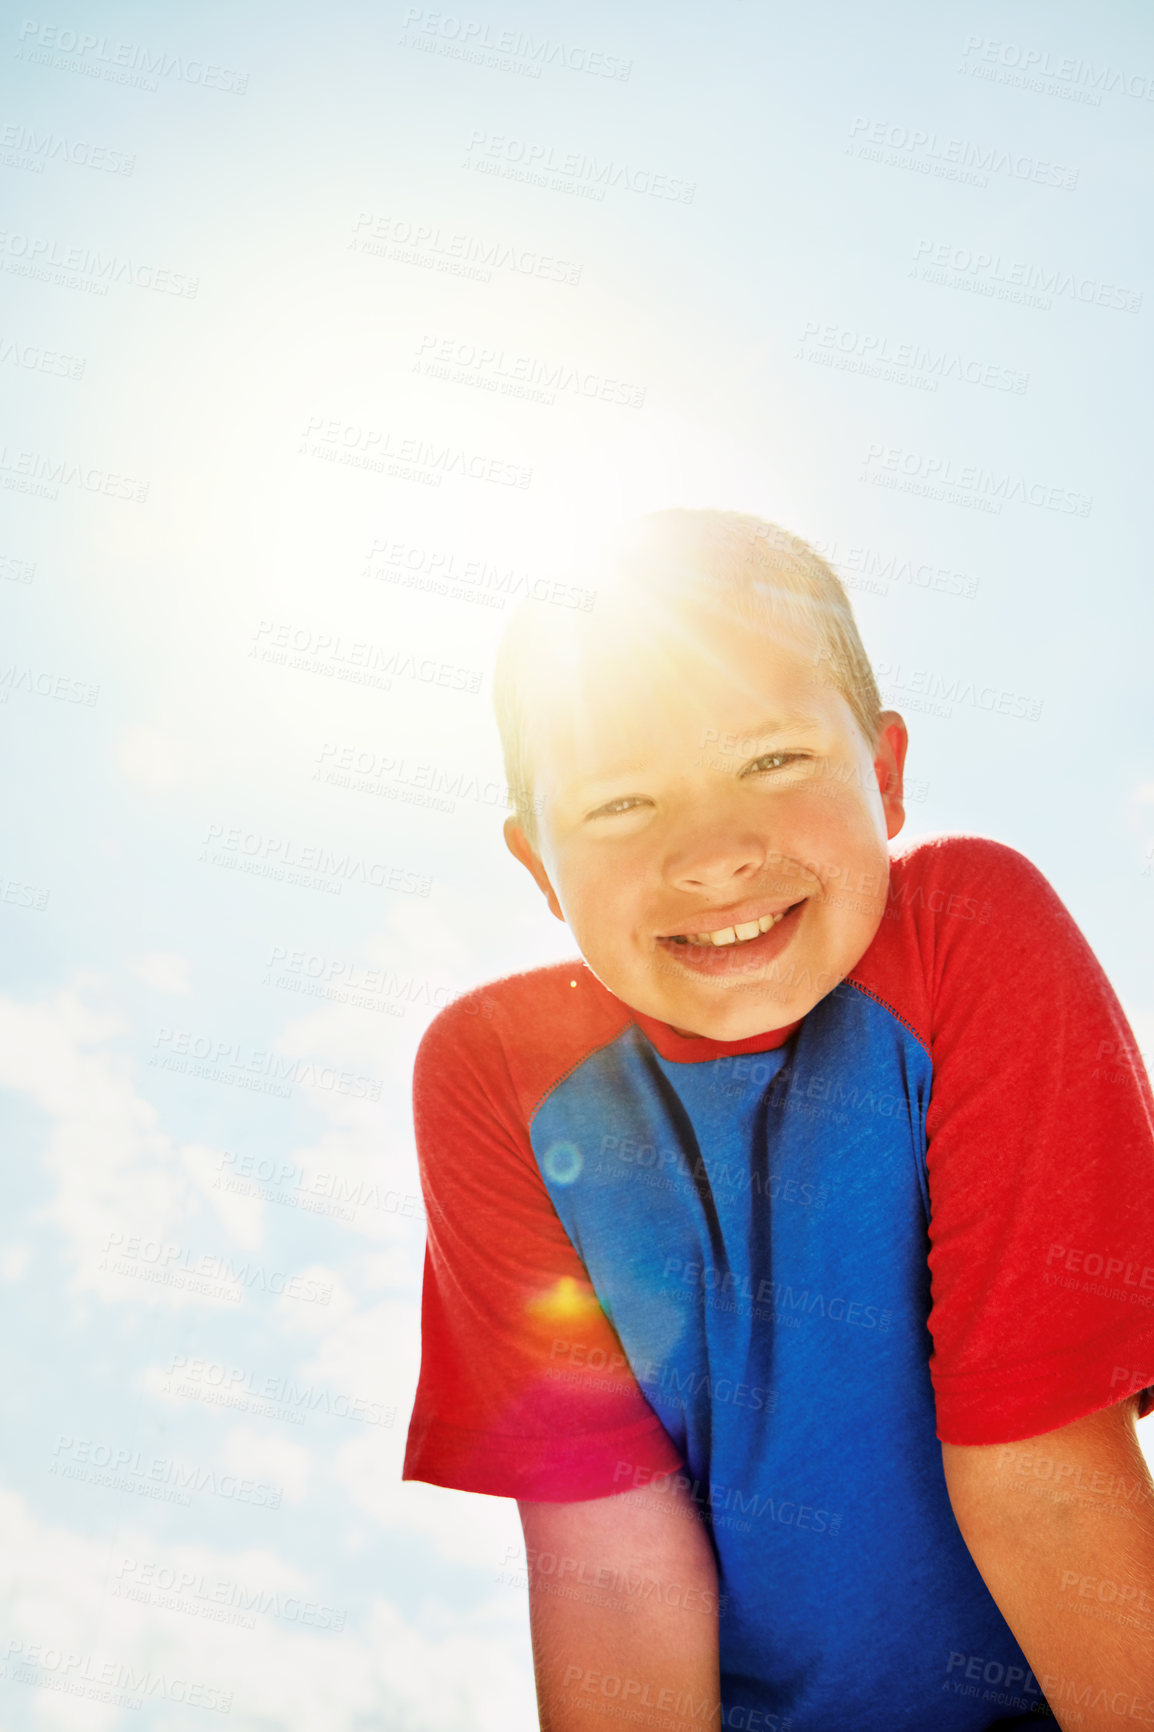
pixel 271 278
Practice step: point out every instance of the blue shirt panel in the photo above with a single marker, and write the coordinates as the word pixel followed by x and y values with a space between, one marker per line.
pixel 755 1228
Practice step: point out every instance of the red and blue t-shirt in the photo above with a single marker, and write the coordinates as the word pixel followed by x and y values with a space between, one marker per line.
pixel 785 1266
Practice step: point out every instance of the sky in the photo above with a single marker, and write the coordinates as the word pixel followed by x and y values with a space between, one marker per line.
pixel 327 333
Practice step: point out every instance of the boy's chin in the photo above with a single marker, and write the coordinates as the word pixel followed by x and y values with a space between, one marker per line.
pixel 736 1024
pixel 739 1010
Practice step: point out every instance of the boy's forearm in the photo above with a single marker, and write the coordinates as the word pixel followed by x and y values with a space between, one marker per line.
pixel 1062 1529
pixel 652 1669
pixel 623 1607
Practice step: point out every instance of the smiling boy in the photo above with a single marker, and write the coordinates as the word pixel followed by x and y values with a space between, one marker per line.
pixel 789 1255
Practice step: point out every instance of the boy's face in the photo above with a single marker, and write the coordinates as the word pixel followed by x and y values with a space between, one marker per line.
pixel 726 794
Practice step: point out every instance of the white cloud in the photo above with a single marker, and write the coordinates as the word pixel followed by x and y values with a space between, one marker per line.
pixel 288 1647
pixel 14 1261
pixel 258 1455
pixel 150 759
pixel 240 1213
pixel 313 1316
pixel 465 1527
pixel 372 1353
pixel 122 1186
pixel 164 971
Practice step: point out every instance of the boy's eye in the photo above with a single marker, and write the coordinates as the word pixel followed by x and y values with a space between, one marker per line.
pixel 613 807
pixel 758 766
pixel 773 761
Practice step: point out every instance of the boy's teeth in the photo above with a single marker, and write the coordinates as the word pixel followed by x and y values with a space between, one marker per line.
pixel 736 934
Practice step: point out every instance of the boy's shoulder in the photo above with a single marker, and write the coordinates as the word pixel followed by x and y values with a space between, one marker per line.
pixel 944 882
pixel 962 910
pixel 960 856
pixel 525 1031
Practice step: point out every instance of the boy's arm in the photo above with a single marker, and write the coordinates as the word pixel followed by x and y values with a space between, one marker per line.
pixel 1061 1527
pixel 524 1391
pixel 623 1609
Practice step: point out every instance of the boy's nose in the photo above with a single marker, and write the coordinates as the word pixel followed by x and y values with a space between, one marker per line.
pixel 713 858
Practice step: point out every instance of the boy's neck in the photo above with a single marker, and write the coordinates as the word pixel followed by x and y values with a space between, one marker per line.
pixel 675 1044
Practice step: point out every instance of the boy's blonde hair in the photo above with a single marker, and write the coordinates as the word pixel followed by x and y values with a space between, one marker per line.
pixel 712 563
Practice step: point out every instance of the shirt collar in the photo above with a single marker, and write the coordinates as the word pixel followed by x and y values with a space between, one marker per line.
pixel 686 1049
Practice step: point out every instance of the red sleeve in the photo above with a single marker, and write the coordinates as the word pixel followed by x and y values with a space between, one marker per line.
pixel 1040 1160
pixel 524 1389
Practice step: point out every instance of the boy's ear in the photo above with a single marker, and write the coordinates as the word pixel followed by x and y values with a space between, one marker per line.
pixel 523 850
pixel 889 766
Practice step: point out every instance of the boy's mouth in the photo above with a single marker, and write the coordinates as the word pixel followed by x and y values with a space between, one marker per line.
pixel 722 949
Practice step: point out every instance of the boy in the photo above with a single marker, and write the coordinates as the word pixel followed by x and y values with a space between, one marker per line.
pixel 789 1257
